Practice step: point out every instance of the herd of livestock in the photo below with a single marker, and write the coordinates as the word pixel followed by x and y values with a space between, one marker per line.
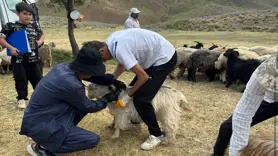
pixel 219 62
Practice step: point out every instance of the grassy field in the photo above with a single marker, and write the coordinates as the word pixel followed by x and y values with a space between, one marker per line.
pixel 212 102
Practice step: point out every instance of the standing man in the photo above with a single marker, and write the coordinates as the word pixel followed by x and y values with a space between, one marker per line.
pixel 132 20
pixel 59 103
pixel 258 103
pixel 151 57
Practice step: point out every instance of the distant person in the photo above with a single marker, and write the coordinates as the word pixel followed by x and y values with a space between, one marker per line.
pixel 132 20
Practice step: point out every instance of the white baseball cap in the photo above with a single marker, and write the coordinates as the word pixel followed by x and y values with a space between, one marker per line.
pixel 134 10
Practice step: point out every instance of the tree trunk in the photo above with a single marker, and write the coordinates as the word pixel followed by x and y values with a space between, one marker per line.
pixel 74 45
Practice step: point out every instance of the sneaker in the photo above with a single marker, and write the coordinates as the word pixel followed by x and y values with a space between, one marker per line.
pixel 21 104
pixel 152 142
pixel 36 150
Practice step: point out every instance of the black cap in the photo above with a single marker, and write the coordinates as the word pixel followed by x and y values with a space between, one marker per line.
pixel 89 62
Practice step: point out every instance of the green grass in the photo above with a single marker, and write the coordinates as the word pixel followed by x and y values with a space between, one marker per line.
pixel 60 55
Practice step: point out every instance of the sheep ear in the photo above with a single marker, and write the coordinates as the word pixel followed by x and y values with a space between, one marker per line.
pixel 237 53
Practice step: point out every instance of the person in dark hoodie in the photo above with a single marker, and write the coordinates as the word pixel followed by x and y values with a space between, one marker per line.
pixel 59 103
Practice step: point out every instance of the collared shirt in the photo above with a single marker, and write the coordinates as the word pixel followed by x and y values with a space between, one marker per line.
pixel 139 46
pixel 131 23
pixel 249 103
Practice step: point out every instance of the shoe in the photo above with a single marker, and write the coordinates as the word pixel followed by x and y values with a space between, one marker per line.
pixel 36 150
pixel 152 142
pixel 21 104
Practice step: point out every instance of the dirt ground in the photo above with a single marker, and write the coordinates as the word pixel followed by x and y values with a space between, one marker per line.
pixel 212 102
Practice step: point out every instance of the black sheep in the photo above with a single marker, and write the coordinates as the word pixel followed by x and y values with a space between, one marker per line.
pixel 203 60
pixel 199 45
pixel 238 69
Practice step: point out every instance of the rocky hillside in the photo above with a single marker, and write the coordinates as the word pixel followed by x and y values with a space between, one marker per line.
pixel 203 15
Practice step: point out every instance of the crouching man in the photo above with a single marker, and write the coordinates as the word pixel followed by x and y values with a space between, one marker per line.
pixel 59 103
pixel 151 57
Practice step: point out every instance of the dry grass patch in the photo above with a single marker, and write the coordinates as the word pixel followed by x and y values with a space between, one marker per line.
pixel 212 102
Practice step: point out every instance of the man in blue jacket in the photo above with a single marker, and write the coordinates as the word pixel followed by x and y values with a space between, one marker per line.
pixel 59 103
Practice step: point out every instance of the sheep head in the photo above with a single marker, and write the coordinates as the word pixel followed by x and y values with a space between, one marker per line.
pixel 231 53
pixel 97 91
pixel 199 45
pixel 213 46
pixel 52 44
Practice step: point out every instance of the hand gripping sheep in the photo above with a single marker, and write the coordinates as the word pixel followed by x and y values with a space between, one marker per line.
pixel 168 104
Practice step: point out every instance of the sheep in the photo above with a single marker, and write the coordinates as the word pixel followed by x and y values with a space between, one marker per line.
pixel 5 60
pixel 239 69
pixel 199 45
pixel 244 48
pixel 203 60
pixel 168 105
pixel 264 57
pixel 183 55
pixel 221 63
pixel 45 54
pixel 260 146
pixel 213 46
pixel 262 50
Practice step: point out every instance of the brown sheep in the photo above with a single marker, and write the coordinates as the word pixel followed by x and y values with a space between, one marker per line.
pixel 45 54
pixel 260 146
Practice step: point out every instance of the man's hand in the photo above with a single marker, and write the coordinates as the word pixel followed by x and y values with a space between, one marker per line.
pixel 119 85
pixel 14 51
pixel 112 96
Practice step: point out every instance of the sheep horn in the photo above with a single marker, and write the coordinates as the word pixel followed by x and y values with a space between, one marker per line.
pixel 225 45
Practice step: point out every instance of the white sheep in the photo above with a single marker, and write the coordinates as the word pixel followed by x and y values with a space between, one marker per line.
pixel 183 55
pixel 262 50
pixel 5 60
pixel 168 105
pixel 221 63
pixel 264 57
pixel 243 47
pixel 45 54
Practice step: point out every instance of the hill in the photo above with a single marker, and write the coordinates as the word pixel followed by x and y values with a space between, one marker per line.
pixel 183 14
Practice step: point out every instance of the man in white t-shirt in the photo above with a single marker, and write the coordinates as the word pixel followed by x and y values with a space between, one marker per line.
pixel 151 57
pixel 132 20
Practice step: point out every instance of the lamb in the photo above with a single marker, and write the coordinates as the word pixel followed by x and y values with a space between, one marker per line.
pixel 45 54
pixel 168 104
pixel 183 55
pixel 260 146
pixel 262 50
pixel 239 69
pixel 221 63
pixel 5 60
pixel 204 61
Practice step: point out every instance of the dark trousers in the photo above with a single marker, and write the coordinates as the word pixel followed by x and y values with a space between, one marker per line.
pixel 78 139
pixel 24 72
pixel 265 111
pixel 143 97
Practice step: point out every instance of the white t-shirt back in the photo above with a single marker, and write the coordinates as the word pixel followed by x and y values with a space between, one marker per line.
pixel 145 47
